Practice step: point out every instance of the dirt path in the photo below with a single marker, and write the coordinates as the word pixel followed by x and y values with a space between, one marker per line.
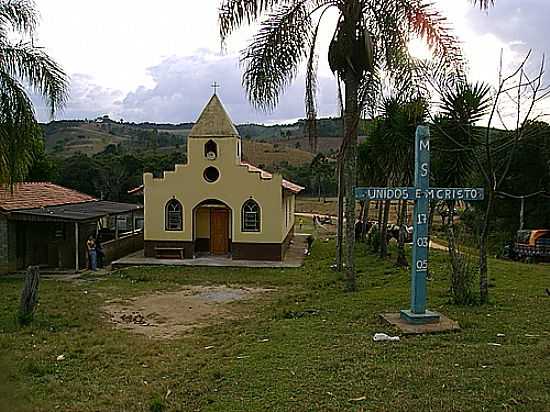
pixel 169 314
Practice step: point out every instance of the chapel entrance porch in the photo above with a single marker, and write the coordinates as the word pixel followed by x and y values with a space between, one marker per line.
pixel 294 258
pixel 212 228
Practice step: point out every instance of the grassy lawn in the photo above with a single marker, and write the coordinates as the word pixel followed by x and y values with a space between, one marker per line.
pixel 268 360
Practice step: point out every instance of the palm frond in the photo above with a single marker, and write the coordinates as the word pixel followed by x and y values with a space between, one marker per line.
pixel 234 13
pixel 21 15
pixel 272 59
pixel 18 130
pixel 466 103
pixel 32 65
pixel 311 89
pixel 483 4
pixel 429 24
pixel 370 89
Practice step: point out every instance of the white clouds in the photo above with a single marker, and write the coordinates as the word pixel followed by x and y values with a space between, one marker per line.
pixel 181 87
pixel 87 100
pixel 138 59
pixel 115 41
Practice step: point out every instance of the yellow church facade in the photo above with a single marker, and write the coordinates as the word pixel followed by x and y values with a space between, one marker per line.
pixel 218 204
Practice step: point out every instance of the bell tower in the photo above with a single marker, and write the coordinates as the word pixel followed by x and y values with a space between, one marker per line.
pixel 214 139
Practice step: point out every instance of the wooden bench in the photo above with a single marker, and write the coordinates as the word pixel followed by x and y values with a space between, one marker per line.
pixel 169 252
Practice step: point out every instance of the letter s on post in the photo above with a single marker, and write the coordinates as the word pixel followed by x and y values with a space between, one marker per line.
pixel 424 169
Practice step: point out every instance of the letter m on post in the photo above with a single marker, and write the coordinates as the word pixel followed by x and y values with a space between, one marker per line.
pixel 424 145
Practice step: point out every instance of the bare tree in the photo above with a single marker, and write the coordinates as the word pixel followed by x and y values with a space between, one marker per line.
pixel 515 102
pixel 513 107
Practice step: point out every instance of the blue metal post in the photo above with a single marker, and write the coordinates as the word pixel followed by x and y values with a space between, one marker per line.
pixel 420 233
pixel 418 313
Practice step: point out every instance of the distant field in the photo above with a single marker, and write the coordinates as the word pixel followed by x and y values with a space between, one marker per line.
pixel 177 132
pixel 92 138
pixel 329 206
pixel 325 144
pixel 268 155
pixel 85 138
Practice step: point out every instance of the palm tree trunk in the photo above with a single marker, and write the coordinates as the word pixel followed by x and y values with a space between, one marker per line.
pixel 351 120
pixel 361 216
pixel 340 218
pixel 401 258
pixel 384 230
pixel 483 276
pixel 365 220
pixel 451 244
pixel 380 207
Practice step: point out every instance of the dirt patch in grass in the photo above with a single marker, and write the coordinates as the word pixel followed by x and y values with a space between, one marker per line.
pixel 169 314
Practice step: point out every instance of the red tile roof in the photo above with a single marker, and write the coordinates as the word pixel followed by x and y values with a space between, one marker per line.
pixel 29 195
pixel 288 185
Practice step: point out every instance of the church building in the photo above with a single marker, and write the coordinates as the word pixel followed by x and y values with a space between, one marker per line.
pixel 218 204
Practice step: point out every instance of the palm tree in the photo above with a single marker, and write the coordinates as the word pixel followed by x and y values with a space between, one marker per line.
pixel 320 170
pixel 456 143
pixel 23 64
pixel 371 37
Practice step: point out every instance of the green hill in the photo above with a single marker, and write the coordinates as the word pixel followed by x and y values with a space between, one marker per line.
pixel 68 138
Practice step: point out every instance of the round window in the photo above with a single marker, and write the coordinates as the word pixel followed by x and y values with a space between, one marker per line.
pixel 211 174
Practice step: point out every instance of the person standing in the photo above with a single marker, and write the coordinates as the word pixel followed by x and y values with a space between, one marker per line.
pixel 100 255
pixel 92 253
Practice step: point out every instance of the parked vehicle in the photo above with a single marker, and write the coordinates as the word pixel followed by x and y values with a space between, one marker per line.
pixel 530 245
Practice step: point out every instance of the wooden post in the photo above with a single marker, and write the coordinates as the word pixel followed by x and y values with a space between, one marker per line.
pixel 116 227
pixel 133 223
pixel 76 242
pixel 29 295
pixel 522 213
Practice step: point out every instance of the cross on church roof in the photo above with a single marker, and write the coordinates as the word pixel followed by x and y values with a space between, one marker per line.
pixel 215 86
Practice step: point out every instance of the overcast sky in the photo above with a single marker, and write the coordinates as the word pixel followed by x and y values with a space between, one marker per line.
pixel 155 61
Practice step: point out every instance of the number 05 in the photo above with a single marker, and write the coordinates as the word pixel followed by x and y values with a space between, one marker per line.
pixel 421 265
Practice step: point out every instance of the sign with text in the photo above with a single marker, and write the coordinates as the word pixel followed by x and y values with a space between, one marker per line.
pixel 412 193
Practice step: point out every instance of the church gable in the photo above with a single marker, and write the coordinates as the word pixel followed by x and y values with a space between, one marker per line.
pixel 214 121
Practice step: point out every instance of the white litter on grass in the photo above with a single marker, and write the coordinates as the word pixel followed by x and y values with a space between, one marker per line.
pixel 60 358
pixel 494 344
pixel 382 337
pixel 500 335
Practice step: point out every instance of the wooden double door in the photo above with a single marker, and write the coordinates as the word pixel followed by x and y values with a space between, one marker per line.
pixel 219 231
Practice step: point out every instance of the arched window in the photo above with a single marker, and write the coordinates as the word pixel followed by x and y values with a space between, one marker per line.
pixel 211 150
pixel 251 216
pixel 174 216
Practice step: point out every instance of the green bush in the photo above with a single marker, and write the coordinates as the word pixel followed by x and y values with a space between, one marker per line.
pixel 157 404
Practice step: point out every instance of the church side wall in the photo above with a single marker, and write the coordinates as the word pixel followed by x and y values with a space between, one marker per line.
pixel 288 205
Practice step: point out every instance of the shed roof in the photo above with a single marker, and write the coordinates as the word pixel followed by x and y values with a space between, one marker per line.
pixel 28 195
pixel 76 212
